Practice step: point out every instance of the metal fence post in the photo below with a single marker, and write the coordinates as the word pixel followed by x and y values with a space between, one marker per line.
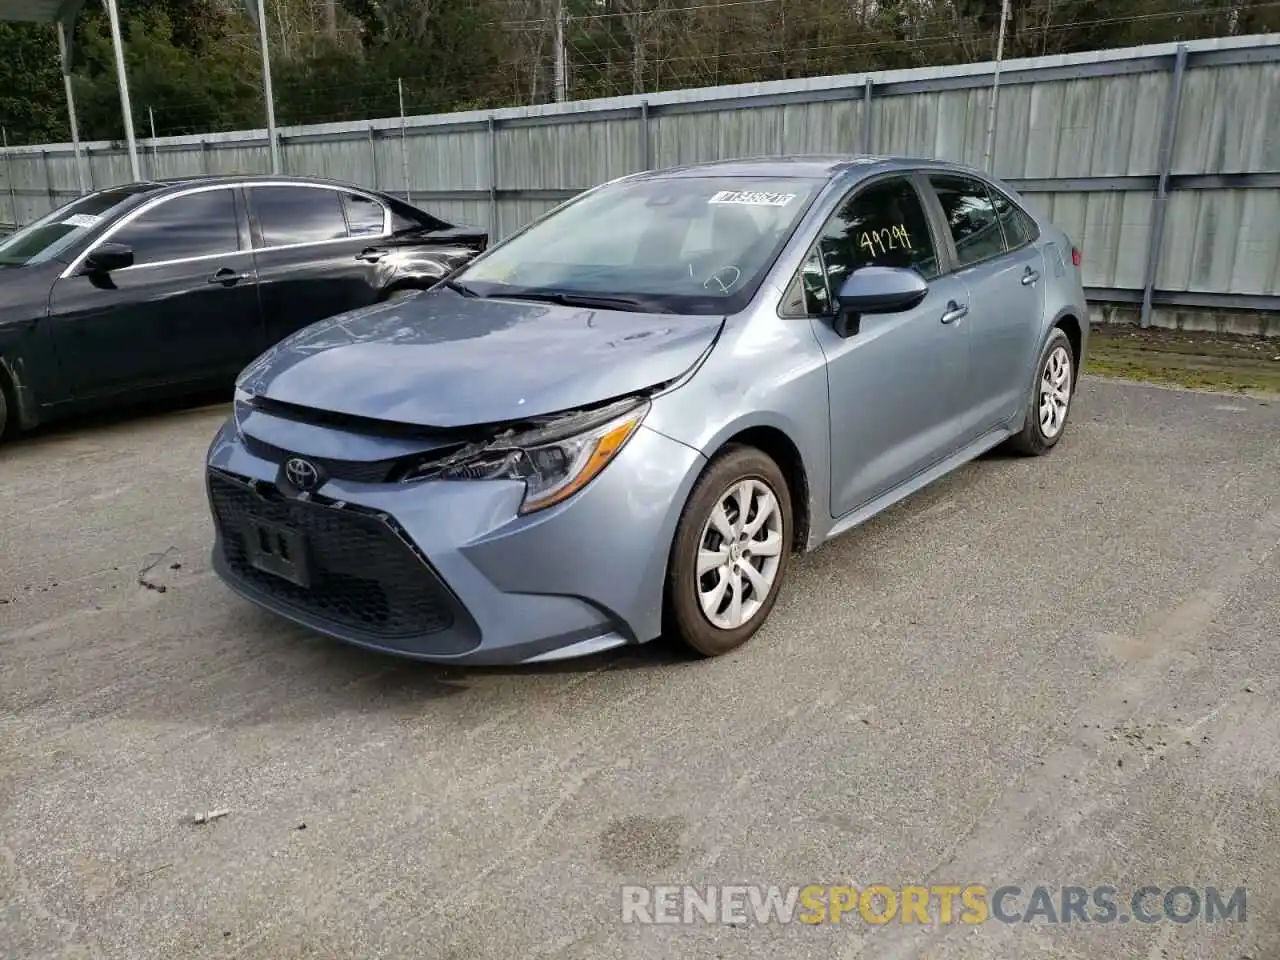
pixel 645 163
pixel 64 52
pixel 8 172
pixel 48 179
pixel 404 146
pixel 867 129
pixel 373 157
pixel 493 180
pixel 155 150
pixel 1161 200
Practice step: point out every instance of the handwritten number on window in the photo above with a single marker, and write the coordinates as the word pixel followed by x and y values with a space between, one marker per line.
pixel 877 242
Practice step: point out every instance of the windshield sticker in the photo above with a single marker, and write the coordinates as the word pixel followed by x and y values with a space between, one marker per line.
pixel 80 220
pixel 753 198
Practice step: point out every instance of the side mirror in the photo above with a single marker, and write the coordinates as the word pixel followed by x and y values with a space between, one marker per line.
pixel 109 257
pixel 877 290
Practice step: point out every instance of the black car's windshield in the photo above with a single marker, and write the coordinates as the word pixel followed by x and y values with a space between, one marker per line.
pixel 55 232
pixel 693 245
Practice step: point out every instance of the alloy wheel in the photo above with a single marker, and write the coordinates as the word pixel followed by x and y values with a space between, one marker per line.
pixel 739 554
pixel 1055 391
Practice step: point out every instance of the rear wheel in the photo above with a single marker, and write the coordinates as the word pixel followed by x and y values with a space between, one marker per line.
pixel 401 293
pixel 1046 419
pixel 731 552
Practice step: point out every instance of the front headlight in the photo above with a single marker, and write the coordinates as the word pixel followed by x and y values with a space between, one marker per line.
pixel 554 461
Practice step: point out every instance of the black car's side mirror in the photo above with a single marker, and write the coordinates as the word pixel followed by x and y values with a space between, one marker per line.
pixel 109 257
pixel 877 290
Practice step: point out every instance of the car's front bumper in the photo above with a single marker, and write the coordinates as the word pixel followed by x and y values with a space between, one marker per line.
pixel 448 571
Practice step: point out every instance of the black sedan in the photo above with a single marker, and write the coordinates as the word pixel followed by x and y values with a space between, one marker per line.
pixel 174 286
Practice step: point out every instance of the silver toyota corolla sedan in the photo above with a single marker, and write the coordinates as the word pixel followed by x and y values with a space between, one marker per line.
pixel 621 422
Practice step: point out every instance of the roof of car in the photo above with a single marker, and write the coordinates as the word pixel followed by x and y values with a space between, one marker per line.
pixel 172 183
pixel 811 166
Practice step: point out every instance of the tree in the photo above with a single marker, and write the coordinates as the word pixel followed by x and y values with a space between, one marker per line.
pixel 194 63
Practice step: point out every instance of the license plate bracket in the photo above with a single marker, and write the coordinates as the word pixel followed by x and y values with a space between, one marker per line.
pixel 278 550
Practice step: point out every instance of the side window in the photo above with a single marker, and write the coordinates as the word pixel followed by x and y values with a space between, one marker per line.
pixel 1019 228
pixel 289 215
pixel 882 225
pixel 364 216
pixel 971 217
pixel 196 225
pixel 808 296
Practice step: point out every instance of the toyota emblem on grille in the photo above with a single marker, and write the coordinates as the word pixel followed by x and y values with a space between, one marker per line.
pixel 302 473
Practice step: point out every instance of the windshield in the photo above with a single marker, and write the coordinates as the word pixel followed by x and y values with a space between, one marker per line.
pixel 55 232
pixel 692 245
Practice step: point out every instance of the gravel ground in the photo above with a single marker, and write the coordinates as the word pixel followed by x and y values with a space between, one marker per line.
pixel 1060 671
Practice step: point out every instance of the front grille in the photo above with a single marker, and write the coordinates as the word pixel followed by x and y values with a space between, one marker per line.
pixel 363 575
pixel 357 471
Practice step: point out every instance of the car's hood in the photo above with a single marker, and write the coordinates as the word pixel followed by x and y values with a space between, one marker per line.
pixel 440 359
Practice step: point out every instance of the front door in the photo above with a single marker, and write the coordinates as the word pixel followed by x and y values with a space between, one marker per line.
pixel 318 253
pixel 1003 271
pixel 897 385
pixel 186 311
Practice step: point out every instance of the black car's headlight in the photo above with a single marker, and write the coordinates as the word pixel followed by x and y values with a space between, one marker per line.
pixel 554 461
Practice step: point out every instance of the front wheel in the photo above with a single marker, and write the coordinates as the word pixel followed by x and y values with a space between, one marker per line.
pixel 731 552
pixel 1046 419
pixel 4 412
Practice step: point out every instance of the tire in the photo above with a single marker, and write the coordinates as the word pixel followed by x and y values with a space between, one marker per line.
pixel 5 426
pixel 400 294
pixel 1041 432
pixel 729 472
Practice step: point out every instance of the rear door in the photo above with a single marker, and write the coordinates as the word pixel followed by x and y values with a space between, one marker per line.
pixel 186 311
pixel 1003 270
pixel 315 251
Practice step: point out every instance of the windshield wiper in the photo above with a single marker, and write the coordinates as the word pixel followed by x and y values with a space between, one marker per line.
pixel 587 300
pixel 461 288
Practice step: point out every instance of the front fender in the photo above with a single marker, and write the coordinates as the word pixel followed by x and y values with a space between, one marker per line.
pixel 764 374
pixel 809 444
pixel 14 346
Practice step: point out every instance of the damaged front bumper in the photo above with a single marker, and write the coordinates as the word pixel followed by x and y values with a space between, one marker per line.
pixel 455 570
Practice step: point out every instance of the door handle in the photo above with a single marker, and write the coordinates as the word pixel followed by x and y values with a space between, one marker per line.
pixel 227 277
pixel 1030 277
pixel 954 312
pixel 371 255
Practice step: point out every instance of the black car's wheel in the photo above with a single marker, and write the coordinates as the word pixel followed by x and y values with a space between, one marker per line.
pixel 731 552
pixel 5 426
pixel 401 294
pixel 1050 404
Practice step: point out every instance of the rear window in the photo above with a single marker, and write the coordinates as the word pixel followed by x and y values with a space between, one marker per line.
pixel 365 217
pixel 292 215
pixel 1019 228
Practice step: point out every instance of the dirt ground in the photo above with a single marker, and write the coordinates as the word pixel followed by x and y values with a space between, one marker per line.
pixel 1204 361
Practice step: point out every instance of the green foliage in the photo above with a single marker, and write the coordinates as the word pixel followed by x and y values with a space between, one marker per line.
pixel 191 88
pixel 32 108
pixel 194 64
